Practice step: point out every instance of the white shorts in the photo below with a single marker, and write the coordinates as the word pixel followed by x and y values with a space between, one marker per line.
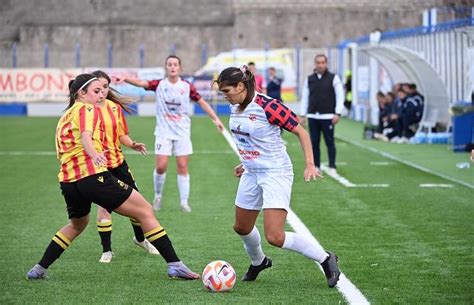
pixel 259 191
pixel 167 147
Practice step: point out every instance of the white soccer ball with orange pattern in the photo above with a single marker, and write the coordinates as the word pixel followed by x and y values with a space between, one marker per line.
pixel 219 276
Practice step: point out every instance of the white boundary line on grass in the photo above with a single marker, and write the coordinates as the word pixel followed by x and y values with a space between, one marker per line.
pixel 127 152
pixel 390 156
pixel 350 292
pixel 346 182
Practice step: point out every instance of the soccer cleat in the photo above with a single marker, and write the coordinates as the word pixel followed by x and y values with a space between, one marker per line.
pixel 178 270
pixel 253 271
pixel 332 171
pixel 331 269
pixel 157 204
pixel 36 273
pixel 106 257
pixel 146 245
pixel 185 208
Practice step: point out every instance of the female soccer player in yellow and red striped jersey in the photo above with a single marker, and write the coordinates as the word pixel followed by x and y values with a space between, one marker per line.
pixel 84 179
pixel 115 135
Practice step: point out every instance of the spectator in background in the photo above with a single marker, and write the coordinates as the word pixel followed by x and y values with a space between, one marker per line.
pixel 385 109
pixel 419 101
pixel 409 115
pixel 382 110
pixel 348 92
pixel 396 107
pixel 274 84
pixel 322 103
pixel 261 85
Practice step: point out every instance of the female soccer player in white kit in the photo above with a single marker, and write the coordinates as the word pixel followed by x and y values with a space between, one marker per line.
pixel 266 172
pixel 173 126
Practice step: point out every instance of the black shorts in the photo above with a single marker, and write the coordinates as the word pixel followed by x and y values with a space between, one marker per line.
pixel 124 174
pixel 103 189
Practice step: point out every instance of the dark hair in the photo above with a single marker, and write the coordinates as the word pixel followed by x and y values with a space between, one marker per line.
pixel 232 76
pixel 321 55
pixel 114 95
pixel 173 56
pixel 392 96
pixel 402 90
pixel 412 86
pixel 76 84
pixel 380 94
pixel 251 63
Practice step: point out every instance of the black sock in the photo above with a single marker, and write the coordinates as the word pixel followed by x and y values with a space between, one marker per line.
pixel 137 229
pixel 54 250
pixel 105 233
pixel 162 243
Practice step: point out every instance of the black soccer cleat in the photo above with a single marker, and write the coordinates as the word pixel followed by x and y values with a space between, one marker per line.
pixel 253 271
pixel 331 269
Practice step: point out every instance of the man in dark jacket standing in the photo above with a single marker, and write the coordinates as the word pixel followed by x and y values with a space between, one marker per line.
pixel 322 103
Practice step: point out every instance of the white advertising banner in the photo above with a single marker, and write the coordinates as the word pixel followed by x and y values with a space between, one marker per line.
pixel 51 85
pixel 34 85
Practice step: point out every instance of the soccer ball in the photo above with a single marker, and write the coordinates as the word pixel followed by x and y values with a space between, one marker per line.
pixel 219 276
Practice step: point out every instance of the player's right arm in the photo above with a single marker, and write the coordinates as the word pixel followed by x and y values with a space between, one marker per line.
pixel 132 81
pixel 98 158
pixel 239 170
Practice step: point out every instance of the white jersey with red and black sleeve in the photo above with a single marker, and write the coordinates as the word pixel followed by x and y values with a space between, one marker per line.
pixel 172 107
pixel 256 132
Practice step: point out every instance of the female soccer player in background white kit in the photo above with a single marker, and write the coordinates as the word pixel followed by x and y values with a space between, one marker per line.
pixel 266 172
pixel 173 126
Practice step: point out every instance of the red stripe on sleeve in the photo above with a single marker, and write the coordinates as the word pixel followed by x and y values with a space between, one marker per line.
pixel 153 84
pixel 124 121
pixel 193 93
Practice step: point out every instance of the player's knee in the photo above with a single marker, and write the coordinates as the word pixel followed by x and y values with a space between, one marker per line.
pixel 160 170
pixel 79 226
pixel 275 238
pixel 241 230
pixel 182 170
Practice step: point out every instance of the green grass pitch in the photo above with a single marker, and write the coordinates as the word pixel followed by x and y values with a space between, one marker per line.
pixel 399 245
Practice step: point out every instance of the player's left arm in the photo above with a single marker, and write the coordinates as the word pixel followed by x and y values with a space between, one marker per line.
pixel 137 146
pixel 210 112
pixel 310 172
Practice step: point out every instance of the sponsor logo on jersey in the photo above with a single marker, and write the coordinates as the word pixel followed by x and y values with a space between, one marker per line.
pixel 252 117
pixel 173 103
pixel 249 154
pixel 238 131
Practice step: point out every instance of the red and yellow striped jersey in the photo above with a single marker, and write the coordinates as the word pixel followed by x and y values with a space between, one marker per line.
pixel 74 161
pixel 114 126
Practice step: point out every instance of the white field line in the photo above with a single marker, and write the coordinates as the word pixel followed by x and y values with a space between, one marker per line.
pixel 350 292
pixel 344 285
pixel 380 163
pixel 414 165
pixel 435 185
pixel 346 182
pixel 127 152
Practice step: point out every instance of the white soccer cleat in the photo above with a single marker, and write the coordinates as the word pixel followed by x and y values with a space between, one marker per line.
pixel 332 171
pixel 36 273
pixel 157 204
pixel 146 245
pixel 106 257
pixel 185 208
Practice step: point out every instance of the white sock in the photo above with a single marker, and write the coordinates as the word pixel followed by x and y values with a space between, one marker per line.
pixel 298 243
pixel 253 246
pixel 183 187
pixel 158 182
